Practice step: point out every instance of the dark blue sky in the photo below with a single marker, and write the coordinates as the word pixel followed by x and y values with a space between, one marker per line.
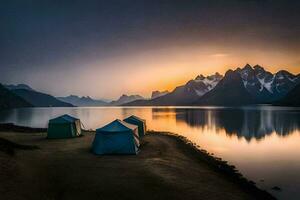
pixel 48 44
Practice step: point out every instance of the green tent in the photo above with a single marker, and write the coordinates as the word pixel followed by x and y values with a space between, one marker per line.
pixel 117 137
pixel 141 123
pixel 64 126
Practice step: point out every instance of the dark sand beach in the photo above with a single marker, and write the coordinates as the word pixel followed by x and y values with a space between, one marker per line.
pixel 165 168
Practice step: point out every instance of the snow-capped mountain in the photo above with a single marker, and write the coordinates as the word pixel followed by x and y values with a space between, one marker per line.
pixel 229 91
pixel 265 86
pixel 202 84
pixel 284 82
pixel 185 94
pixel 243 86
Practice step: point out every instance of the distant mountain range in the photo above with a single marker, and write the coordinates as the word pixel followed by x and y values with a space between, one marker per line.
pixel 89 102
pixel 243 86
pixel 22 95
pixel 38 99
pixel 157 93
pixel 34 98
pixel 125 99
pixel 185 94
pixel 82 101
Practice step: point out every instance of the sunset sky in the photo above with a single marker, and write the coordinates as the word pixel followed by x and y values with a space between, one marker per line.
pixel 110 47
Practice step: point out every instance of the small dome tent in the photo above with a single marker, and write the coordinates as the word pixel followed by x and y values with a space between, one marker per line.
pixel 117 137
pixel 64 126
pixel 141 123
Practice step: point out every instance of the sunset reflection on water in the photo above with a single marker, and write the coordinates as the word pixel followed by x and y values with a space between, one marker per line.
pixel 262 141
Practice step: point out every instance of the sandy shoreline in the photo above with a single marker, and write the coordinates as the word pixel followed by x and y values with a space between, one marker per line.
pixel 166 167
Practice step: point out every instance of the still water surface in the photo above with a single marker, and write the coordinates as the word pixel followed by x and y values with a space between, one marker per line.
pixel 263 142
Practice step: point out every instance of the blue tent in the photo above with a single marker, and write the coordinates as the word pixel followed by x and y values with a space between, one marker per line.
pixel 117 137
pixel 141 123
pixel 64 126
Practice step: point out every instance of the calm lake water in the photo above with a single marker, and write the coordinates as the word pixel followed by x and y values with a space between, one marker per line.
pixel 263 142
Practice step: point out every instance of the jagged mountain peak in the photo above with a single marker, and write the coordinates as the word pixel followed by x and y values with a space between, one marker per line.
pixel 185 94
pixel 202 84
pixel 200 77
pixel 86 97
pixel 283 73
pixel 216 76
pixel 228 72
pixel 258 67
pixel 242 86
pixel 231 75
pixel 124 98
pixel 247 67
pixel 229 91
pixel 77 97
pixel 156 94
pixel 266 86
pixel 82 101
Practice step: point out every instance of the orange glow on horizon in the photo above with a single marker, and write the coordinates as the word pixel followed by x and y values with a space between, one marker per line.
pixel 165 69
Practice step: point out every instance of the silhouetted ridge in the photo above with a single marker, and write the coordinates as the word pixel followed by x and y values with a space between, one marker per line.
pixel 124 99
pixel 10 100
pixel 39 99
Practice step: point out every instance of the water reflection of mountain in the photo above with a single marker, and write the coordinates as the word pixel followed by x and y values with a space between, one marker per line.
pixel 247 123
